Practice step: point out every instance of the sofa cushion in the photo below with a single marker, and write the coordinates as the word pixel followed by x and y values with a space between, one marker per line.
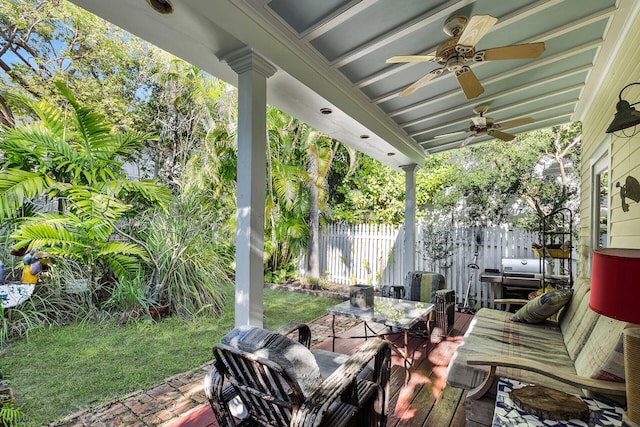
pixel 602 355
pixel 543 306
pixel 296 359
pixel 492 332
pixel 577 321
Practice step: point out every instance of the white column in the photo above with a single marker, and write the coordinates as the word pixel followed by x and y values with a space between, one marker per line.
pixel 408 262
pixel 253 71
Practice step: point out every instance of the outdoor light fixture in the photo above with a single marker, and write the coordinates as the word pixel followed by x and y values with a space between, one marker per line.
pixel 161 6
pixel 626 116
pixel 615 291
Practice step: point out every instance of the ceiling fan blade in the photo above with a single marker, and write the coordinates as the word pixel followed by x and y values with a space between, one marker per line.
pixel 514 123
pixel 467 140
pixel 469 83
pixel 501 135
pixel 446 135
pixel 477 27
pixel 423 81
pixel 516 51
pixel 409 58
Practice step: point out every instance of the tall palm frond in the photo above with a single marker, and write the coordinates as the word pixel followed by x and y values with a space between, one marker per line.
pixel 287 179
pixel 50 116
pixel 17 185
pixel 153 193
pixel 48 232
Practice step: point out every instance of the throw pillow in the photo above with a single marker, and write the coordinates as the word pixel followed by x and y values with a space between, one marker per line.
pixel 296 359
pixel 543 306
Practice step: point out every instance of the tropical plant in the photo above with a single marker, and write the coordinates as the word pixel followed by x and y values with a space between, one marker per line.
pixel 188 256
pixel 4 326
pixel 299 162
pixel 73 160
pixel 129 295
pixel 10 416
pixel 287 202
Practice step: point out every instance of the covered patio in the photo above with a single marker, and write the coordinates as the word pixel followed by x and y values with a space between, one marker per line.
pixel 326 64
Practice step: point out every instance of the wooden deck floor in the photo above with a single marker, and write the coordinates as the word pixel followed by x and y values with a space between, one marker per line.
pixel 424 400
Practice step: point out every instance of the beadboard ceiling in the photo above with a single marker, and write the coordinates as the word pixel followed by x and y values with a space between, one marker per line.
pixel 332 54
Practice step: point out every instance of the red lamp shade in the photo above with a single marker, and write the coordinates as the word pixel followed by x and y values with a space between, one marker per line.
pixel 615 284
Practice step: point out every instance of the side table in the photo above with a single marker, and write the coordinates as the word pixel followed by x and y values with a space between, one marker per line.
pixel 508 414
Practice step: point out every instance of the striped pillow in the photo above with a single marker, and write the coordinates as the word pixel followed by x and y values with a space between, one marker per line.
pixel 543 306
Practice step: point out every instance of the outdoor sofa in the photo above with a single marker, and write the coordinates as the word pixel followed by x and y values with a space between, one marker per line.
pixel 581 353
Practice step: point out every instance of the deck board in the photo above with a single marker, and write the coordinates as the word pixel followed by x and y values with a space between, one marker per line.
pixel 425 400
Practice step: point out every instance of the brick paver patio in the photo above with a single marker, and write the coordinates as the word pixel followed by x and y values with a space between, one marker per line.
pixel 170 403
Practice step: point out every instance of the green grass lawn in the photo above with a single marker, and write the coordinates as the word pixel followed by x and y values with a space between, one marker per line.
pixel 59 371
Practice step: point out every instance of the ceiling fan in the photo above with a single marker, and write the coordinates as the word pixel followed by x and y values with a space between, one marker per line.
pixel 482 124
pixel 460 48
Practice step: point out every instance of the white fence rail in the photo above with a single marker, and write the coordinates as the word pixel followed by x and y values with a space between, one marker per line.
pixel 372 254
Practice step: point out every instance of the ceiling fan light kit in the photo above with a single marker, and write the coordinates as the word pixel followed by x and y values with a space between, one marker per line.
pixel 460 48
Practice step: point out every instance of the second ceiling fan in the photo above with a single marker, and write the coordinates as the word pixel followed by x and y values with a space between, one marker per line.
pixel 453 54
pixel 481 124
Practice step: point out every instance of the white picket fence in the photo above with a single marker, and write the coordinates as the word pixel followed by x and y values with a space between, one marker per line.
pixel 372 254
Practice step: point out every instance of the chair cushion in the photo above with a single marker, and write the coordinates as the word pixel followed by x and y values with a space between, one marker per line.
pixel 422 285
pixel 543 306
pixel 296 359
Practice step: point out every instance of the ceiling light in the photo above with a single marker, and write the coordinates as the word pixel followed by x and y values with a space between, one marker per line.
pixel 364 136
pixel 326 111
pixel 391 154
pixel 626 116
pixel 161 6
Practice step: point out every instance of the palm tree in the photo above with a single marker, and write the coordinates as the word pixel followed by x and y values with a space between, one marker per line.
pixel 70 158
pixel 299 161
pixel 320 151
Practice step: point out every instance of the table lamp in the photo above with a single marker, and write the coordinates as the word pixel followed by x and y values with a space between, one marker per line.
pixel 615 293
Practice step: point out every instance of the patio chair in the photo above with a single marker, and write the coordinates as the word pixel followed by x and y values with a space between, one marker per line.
pixel 429 286
pixel 264 378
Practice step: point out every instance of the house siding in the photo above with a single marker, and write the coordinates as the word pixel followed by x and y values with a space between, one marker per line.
pixel 624 152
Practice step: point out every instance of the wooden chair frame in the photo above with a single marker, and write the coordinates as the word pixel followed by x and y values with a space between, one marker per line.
pixel 272 398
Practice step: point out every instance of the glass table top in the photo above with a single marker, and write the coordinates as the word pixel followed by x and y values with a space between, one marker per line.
pixel 398 313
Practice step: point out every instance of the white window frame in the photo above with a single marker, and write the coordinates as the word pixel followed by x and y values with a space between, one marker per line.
pixel 599 162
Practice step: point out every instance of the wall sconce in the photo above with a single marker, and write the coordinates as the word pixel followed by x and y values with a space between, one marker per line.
pixel 625 117
pixel 631 190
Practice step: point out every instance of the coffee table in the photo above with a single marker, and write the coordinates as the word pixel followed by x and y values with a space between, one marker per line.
pixel 391 312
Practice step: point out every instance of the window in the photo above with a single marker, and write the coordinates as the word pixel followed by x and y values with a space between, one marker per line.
pixel 600 190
